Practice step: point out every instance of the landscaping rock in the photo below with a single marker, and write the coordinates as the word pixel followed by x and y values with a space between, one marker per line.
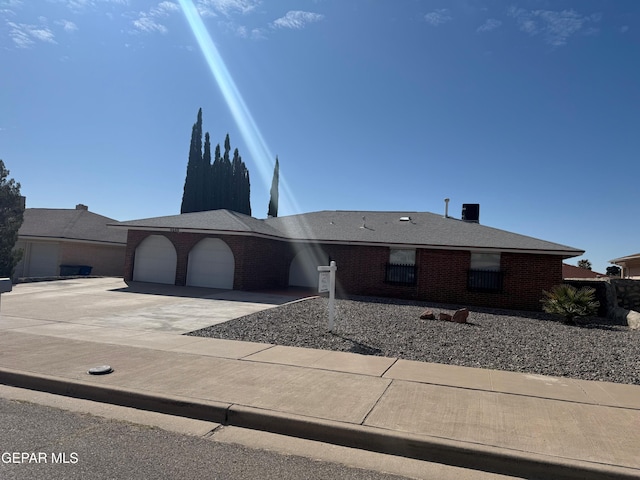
pixel 460 316
pixel 528 342
pixel 427 315
pixel 445 316
pixel 633 320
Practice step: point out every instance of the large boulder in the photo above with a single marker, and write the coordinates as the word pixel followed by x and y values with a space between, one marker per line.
pixel 633 320
pixel 460 316
pixel 626 317
pixel 427 315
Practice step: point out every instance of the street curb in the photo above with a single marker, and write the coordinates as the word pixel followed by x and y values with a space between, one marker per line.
pixel 432 449
pixel 171 405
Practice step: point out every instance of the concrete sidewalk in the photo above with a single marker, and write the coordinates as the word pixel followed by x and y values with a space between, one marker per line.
pixel 514 424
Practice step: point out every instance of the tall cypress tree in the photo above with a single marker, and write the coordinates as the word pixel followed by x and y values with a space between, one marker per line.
pixel 273 200
pixel 192 195
pixel 236 181
pixel 216 172
pixel 246 196
pixel 206 177
pixel 240 187
pixel 224 180
pixel 221 184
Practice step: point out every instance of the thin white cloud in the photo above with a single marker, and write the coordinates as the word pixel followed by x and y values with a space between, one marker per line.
pixel 9 7
pixel 490 24
pixel 25 35
pixel 624 29
pixel 149 25
pixel 82 5
pixel 67 25
pixel 164 8
pixel 438 17
pixel 297 19
pixel 258 34
pixel 555 26
pixel 226 7
pixel 149 22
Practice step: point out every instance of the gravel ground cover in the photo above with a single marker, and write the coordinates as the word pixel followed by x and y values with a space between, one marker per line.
pixel 497 339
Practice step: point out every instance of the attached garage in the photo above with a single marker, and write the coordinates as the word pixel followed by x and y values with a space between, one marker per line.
pixel 303 271
pixel 155 261
pixel 42 260
pixel 211 264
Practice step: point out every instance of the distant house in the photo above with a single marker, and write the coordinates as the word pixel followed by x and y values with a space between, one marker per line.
pixel 573 272
pixel 59 241
pixel 413 255
pixel 629 266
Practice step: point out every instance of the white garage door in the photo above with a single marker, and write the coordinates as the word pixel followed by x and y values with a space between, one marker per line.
pixel 303 271
pixel 155 261
pixel 43 260
pixel 211 264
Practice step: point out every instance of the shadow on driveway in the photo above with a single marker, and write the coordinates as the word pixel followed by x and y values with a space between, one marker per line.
pixel 272 296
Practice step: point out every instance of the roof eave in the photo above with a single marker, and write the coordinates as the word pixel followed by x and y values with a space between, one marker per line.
pixel 568 253
pixel 70 239
pixel 207 231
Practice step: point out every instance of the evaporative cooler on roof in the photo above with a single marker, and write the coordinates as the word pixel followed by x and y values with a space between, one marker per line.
pixel 471 212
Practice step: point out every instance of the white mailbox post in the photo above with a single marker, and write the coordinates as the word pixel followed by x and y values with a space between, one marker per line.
pixel 5 285
pixel 327 283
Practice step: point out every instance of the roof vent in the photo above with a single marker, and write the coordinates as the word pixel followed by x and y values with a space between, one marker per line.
pixel 81 207
pixel 471 212
pixel 405 219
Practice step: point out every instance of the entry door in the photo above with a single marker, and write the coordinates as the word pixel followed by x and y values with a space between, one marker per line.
pixel 303 271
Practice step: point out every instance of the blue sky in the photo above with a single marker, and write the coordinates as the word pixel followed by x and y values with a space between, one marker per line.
pixel 529 108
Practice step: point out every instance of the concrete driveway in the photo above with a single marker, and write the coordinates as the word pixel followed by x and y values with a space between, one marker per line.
pixel 109 302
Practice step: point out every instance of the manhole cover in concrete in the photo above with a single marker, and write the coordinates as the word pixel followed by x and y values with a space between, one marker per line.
pixel 101 370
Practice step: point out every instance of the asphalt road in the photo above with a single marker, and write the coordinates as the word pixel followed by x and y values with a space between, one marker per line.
pixel 40 442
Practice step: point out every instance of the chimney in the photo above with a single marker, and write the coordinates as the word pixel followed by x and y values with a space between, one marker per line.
pixel 23 202
pixel 446 208
pixel 80 206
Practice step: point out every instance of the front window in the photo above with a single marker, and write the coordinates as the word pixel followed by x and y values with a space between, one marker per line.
pixel 401 269
pixel 485 274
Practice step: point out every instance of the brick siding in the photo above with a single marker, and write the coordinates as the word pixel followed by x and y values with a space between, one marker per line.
pixel 441 274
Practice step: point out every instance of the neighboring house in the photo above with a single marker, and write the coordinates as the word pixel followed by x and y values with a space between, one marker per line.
pixel 571 271
pixel 629 266
pixel 51 238
pixel 414 255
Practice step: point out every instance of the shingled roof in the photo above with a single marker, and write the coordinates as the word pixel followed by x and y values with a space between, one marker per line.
pixel 211 221
pixel 69 224
pixel 414 229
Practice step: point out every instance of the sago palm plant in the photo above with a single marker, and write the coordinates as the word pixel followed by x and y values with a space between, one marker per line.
pixel 570 302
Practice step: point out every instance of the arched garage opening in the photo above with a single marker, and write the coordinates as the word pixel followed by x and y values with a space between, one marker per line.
pixel 155 261
pixel 211 264
pixel 303 271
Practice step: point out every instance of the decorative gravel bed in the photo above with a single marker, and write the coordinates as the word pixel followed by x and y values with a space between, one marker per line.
pixel 497 339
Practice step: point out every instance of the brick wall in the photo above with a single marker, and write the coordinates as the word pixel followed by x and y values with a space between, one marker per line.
pixel 259 263
pixel 441 274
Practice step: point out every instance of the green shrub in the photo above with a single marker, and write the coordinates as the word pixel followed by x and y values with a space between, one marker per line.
pixel 570 302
